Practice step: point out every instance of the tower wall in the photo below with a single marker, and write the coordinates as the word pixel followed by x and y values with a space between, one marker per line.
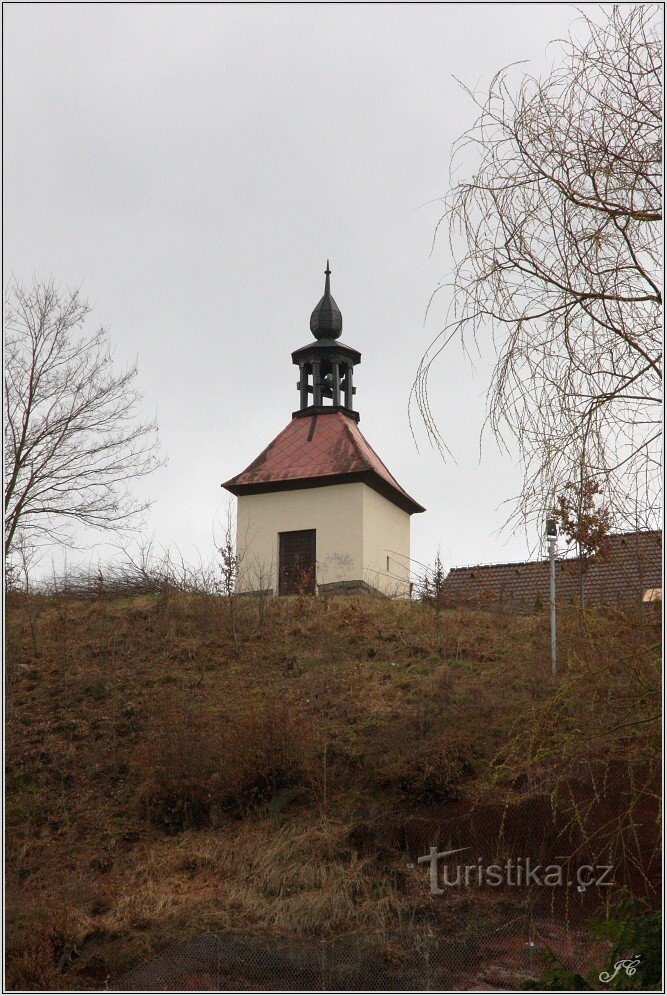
pixel 335 512
pixel 356 530
pixel 386 545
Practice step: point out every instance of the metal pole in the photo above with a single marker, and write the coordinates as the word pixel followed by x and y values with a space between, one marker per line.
pixel 348 387
pixel 317 384
pixel 303 386
pixel 335 373
pixel 552 593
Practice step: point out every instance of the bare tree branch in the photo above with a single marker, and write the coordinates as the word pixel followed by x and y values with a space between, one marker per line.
pixel 73 437
pixel 559 217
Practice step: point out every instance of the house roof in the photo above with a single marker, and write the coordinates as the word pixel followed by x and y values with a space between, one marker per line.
pixel 630 564
pixel 316 451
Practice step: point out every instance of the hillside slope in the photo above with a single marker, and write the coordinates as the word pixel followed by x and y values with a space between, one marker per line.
pixel 183 763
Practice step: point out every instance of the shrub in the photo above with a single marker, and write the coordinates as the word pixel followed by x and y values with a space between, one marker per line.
pixel 635 933
pixel 200 765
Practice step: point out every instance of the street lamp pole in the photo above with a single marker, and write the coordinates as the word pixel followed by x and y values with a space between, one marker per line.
pixel 552 537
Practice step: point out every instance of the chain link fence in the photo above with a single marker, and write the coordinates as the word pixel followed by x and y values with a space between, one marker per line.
pixel 246 963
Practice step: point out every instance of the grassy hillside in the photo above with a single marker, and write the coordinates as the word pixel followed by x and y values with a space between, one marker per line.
pixel 180 763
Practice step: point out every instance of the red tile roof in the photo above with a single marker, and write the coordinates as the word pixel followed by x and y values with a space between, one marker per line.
pixel 630 564
pixel 319 450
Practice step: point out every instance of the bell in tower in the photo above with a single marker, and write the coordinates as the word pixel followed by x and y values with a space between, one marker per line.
pixel 326 365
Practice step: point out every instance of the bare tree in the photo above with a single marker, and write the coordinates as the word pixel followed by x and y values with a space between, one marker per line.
pixel 230 561
pixel 18 573
pixel 556 236
pixel 73 436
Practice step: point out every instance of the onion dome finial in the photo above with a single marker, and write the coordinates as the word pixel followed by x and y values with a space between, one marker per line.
pixel 326 321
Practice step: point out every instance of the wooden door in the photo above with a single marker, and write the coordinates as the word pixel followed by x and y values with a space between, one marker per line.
pixel 296 562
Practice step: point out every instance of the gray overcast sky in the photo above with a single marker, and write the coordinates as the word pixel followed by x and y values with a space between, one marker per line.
pixel 192 166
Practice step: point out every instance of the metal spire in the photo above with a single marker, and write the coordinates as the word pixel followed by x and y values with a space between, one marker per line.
pixel 326 321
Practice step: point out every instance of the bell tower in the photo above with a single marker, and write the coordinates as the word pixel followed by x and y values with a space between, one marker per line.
pixel 318 510
pixel 326 365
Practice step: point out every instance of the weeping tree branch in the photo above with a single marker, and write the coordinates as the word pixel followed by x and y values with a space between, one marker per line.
pixel 556 236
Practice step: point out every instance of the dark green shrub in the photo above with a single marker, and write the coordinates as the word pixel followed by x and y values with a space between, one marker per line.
pixel 635 934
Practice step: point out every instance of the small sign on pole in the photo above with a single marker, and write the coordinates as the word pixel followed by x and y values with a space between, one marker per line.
pixel 552 537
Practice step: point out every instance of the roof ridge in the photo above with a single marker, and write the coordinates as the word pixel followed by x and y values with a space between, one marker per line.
pixel 347 425
pixel 379 459
pixel 257 458
pixel 545 560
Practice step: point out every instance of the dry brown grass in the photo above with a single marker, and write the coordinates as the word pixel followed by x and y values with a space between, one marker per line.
pixel 164 778
pixel 205 761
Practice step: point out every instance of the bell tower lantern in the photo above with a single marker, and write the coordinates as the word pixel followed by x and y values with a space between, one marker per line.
pixel 325 366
